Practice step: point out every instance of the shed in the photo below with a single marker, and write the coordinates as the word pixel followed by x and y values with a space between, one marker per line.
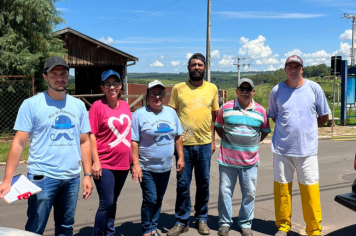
pixel 90 57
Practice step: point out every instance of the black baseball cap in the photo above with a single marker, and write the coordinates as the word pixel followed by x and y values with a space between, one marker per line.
pixel 53 62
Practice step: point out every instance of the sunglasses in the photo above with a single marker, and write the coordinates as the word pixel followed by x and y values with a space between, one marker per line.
pixel 108 85
pixel 247 89
pixel 160 95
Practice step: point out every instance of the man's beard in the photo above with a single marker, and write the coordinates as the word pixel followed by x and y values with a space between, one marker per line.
pixel 58 90
pixel 194 77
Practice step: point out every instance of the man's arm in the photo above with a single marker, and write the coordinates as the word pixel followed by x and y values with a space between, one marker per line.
pixel 136 168
pixel 179 149
pixel 96 168
pixel 219 130
pixel 323 119
pixel 13 158
pixel 87 163
pixel 263 136
pixel 212 126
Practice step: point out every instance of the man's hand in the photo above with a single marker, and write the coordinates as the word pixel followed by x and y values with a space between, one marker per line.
pixel 87 187
pixel 212 147
pixel 96 170
pixel 136 173
pixel 180 165
pixel 4 189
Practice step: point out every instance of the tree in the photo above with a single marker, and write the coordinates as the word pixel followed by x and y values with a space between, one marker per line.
pixel 26 36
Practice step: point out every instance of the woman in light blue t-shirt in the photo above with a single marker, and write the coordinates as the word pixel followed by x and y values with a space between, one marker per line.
pixel 156 131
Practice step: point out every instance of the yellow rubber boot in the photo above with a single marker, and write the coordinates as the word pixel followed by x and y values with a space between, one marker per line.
pixel 283 205
pixel 311 208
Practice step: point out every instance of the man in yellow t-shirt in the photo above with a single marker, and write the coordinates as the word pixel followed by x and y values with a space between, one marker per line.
pixel 196 103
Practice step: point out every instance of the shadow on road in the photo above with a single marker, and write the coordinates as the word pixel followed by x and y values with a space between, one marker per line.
pixel 346 231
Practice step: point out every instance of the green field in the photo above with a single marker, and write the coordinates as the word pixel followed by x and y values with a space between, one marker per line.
pixel 4 150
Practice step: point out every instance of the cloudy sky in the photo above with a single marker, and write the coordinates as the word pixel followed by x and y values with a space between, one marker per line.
pixel 163 34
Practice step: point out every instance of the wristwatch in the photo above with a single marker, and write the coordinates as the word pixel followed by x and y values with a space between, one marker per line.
pixel 87 174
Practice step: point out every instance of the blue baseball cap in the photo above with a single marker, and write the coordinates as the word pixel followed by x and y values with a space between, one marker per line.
pixel 108 73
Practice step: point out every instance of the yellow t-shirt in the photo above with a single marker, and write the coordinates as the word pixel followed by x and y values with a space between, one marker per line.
pixel 194 106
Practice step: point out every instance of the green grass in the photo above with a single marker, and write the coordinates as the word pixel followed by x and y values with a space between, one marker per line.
pixel 4 150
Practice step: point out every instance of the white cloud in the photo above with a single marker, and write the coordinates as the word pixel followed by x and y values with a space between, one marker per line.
pixel 161 57
pixel 109 40
pixel 254 48
pixel 176 69
pixel 265 15
pixel 346 36
pixel 215 54
pixel 293 52
pixel 266 61
pixel 270 68
pixel 156 64
pixel 188 55
pixel 175 63
pixel 317 54
pixel 227 61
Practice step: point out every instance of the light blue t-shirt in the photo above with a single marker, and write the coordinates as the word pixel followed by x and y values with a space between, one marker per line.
pixel 155 134
pixel 55 128
pixel 296 110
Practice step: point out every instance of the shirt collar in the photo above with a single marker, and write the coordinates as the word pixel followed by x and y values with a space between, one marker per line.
pixel 253 107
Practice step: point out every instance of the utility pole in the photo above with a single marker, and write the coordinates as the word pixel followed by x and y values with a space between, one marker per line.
pixel 353 17
pixel 208 42
pixel 239 64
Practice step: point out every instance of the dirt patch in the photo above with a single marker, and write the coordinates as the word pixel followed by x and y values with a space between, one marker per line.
pixel 338 130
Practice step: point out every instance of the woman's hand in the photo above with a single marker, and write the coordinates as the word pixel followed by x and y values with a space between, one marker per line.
pixel 96 170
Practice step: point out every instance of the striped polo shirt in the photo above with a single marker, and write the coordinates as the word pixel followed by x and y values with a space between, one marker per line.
pixel 241 133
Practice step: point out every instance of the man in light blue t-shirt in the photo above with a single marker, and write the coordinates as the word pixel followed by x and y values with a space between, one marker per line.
pixel 297 106
pixel 57 125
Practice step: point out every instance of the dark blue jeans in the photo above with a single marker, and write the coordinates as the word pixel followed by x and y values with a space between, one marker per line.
pixel 109 187
pixel 62 195
pixel 195 157
pixel 153 187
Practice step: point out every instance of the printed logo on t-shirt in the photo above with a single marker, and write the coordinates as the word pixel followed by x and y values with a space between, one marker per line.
pixel 197 103
pixel 63 124
pixel 121 138
pixel 162 132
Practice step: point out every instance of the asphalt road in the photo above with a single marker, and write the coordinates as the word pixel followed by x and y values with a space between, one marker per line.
pixel 336 160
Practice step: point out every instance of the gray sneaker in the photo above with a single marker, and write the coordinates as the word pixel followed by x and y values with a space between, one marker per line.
pixel 223 231
pixel 281 233
pixel 246 232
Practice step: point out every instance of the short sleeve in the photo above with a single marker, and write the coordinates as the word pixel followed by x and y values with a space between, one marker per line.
pixel 24 119
pixel 94 119
pixel 173 101
pixel 215 103
pixel 219 122
pixel 322 106
pixel 84 120
pixel 272 105
pixel 265 128
pixel 178 124
pixel 135 128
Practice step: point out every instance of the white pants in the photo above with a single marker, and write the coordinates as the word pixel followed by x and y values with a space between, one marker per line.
pixel 306 167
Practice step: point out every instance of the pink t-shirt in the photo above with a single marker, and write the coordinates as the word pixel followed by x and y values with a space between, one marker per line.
pixel 112 128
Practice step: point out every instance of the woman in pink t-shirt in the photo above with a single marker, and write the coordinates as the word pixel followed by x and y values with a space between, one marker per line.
pixel 110 121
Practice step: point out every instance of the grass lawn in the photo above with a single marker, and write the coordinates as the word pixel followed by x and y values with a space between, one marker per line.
pixel 4 150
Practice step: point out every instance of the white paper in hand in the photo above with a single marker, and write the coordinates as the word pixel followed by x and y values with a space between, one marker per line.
pixel 20 185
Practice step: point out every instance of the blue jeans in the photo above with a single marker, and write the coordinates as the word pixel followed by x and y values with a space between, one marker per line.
pixel 153 187
pixel 109 187
pixel 197 157
pixel 62 195
pixel 248 180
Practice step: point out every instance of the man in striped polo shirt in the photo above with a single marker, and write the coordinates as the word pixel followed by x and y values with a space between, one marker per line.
pixel 242 124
